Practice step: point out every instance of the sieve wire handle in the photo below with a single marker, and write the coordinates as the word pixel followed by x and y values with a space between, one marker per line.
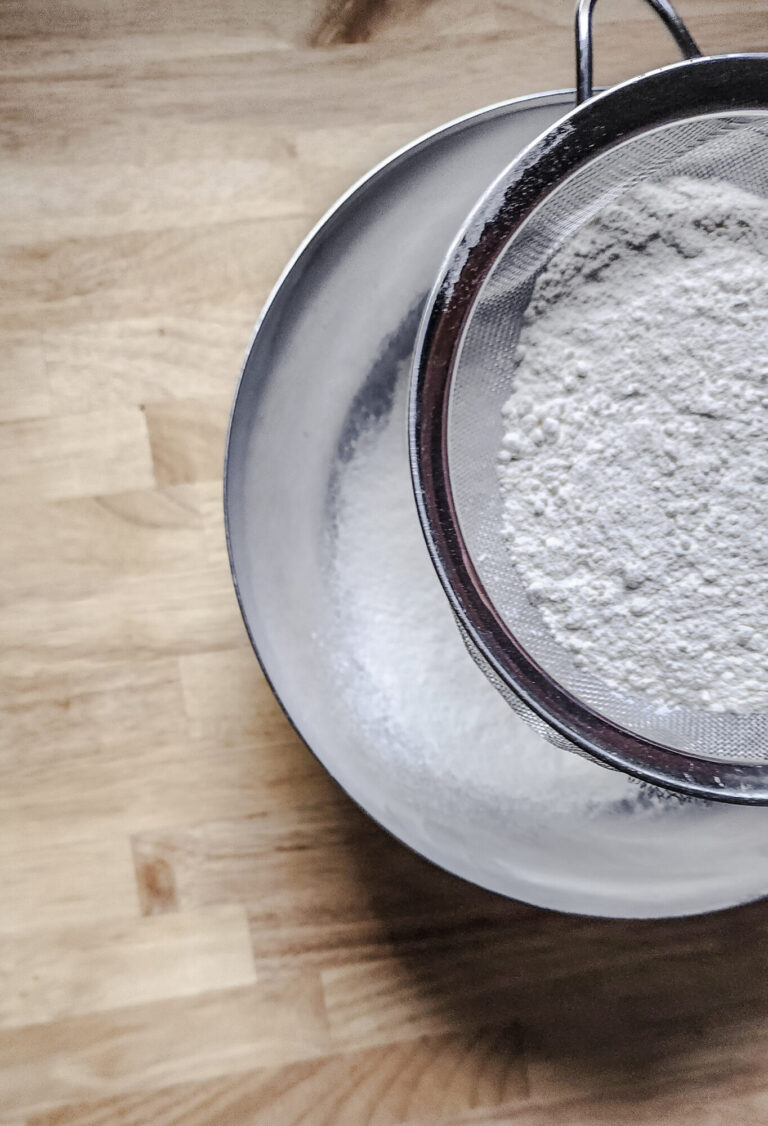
pixel 584 9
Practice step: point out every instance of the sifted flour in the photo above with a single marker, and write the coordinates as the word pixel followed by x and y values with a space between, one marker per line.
pixel 456 772
pixel 449 734
pixel 634 465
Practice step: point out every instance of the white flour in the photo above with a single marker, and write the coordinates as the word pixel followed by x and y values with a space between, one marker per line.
pixel 449 734
pixel 452 770
pixel 634 465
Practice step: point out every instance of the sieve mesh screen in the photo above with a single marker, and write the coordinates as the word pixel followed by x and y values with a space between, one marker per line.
pixel 725 147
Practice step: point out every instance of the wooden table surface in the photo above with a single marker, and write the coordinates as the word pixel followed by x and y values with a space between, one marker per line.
pixel 197 927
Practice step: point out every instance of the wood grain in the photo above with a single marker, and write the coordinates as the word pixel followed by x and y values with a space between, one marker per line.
pixel 386 1087
pixel 143 1047
pixel 110 965
pixel 197 926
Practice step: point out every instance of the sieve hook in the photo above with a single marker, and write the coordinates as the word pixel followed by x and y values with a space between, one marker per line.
pixel 584 9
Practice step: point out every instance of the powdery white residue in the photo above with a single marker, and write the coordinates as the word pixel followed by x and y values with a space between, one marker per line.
pixel 449 733
pixel 458 774
pixel 634 464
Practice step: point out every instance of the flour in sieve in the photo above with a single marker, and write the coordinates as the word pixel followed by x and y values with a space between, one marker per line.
pixel 634 466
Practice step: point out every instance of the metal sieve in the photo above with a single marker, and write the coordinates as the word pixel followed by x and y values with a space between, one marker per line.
pixel 706 118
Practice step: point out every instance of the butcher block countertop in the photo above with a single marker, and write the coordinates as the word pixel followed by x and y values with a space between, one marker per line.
pixel 197 926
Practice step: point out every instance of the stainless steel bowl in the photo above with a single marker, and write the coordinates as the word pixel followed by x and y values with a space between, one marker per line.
pixel 324 383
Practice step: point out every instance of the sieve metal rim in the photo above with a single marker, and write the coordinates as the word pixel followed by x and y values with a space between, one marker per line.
pixel 695 87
